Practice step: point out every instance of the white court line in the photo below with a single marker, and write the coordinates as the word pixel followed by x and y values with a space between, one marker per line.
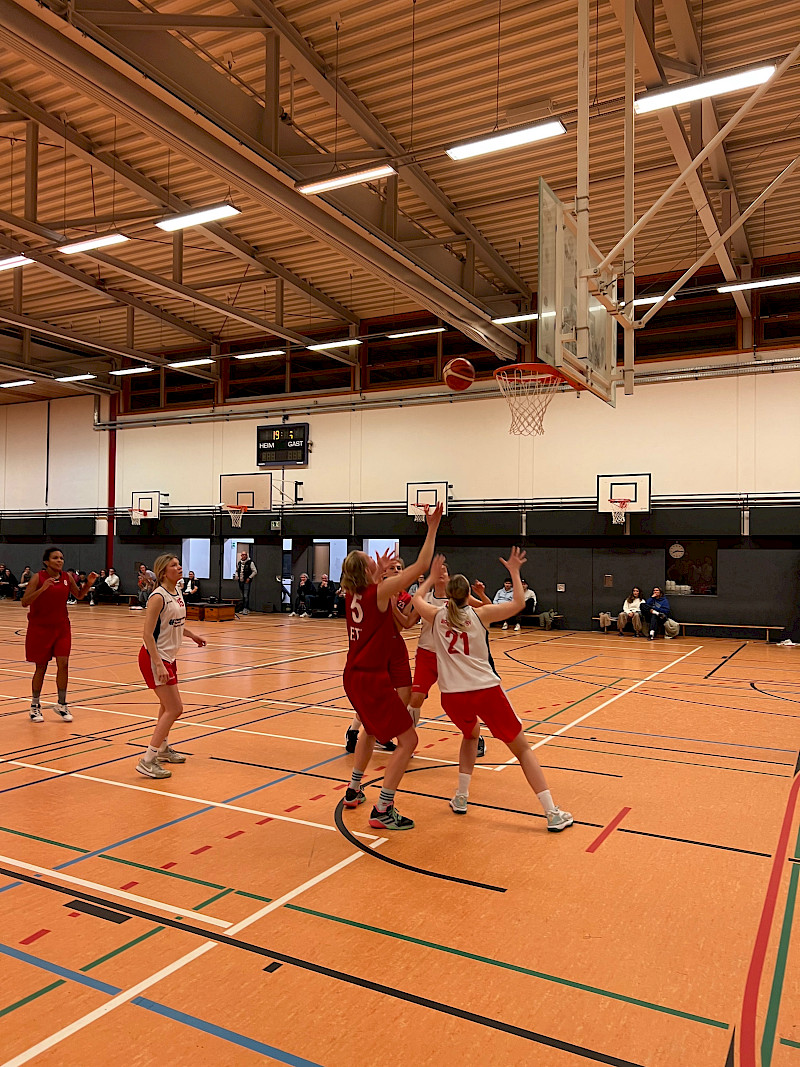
pixel 181 796
pixel 134 991
pixel 605 704
pixel 158 905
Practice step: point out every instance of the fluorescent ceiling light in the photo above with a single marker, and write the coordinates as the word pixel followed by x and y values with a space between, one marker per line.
pixel 76 378
pixel 529 317
pixel 13 385
pixel 14 261
pixel 496 142
pixel 759 283
pixel 346 177
pixel 198 218
pixel 333 344
pixel 642 301
pixel 700 88
pixel 191 363
pixel 415 333
pixel 260 355
pixel 93 242
pixel 131 370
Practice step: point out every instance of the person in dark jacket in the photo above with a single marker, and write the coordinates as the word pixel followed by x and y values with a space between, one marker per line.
pixel 245 573
pixel 325 597
pixel 655 612
pixel 304 598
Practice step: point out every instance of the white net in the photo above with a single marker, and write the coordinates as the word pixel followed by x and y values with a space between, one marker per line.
pixel 418 512
pixel 236 513
pixel 619 509
pixel 528 388
pixel 136 516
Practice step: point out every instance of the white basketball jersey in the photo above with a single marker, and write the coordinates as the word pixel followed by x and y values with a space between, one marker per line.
pixel 168 632
pixel 425 638
pixel 465 663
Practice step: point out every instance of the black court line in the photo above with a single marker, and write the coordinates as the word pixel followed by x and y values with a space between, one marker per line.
pixel 99 913
pixel 730 1059
pixel 774 696
pixel 797 765
pixel 340 976
pixel 726 660
pixel 665 748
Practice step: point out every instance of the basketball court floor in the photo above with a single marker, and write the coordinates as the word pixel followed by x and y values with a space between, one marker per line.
pixel 233 914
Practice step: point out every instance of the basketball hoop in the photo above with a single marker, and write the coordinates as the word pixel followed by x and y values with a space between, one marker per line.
pixel 136 516
pixel 528 388
pixel 418 511
pixel 619 509
pixel 236 513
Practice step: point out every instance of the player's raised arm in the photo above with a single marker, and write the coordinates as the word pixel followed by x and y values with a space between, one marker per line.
pixel 397 582
pixel 489 613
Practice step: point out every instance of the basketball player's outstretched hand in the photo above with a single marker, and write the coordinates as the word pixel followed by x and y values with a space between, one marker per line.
pixel 516 560
pixel 478 587
pixel 433 516
pixel 437 568
pixel 91 578
pixel 384 561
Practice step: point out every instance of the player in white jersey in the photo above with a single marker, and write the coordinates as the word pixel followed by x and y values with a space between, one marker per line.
pixel 470 685
pixel 164 629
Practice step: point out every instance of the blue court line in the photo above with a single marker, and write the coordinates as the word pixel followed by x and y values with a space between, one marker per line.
pixel 678 737
pixel 222 1032
pixel 160 1009
pixel 173 822
pixel 547 674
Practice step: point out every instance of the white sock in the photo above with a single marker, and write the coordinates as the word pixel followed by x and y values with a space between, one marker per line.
pixel 546 800
pixel 150 754
pixel 463 784
pixel 163 747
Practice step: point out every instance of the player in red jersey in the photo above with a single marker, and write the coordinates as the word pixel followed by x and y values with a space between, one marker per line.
pixel 367 679
pixel 49 633
pixel 470 685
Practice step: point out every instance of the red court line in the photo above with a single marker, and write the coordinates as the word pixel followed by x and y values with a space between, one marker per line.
pixel 34 937
pixel 607 831
pixel 166 866
pixel 262 821
pixel 129 885
pixel 747 1031
pixel 203 848
pixel 236 833
pixel 294 807
pixel 319 796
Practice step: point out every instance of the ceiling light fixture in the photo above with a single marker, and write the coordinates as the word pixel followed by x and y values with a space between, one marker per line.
pixel 700 88
pixel 260 355
pixel 14 261
pixel 76 378
pixel 191 363
pixel 131 370
pixel 415 333
pixel 643 301
pixel 759 283
pixel 497 142
pixel 345 177
pixel 13 385
pixel 333 344
pixel 530 316
pixel 93 242
pixel 198 218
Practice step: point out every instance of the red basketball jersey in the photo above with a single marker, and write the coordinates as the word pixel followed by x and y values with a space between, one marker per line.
pixel 50 608
pixel 369 630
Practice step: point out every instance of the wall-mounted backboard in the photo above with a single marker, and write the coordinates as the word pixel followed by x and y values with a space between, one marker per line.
pixel 253 491
pixel 148 500
pixel 634 488
pixel 420 493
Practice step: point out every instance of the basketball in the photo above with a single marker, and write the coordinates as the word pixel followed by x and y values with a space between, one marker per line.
pixel 458 374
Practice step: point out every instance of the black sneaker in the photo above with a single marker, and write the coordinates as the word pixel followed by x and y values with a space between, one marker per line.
pixel 390 819
pixel 354 797
pixel 481 747
pixel 389 746
pixel 350 739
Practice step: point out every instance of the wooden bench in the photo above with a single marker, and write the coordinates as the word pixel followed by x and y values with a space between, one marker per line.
pixel 712 626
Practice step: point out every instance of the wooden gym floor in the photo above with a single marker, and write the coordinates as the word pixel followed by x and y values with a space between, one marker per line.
pixel 231 915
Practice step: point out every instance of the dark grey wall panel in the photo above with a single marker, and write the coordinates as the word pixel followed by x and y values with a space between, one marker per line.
pixel 483 524
pixel 315 525
pixel 628 567
pixel 185 526
pixel 777 522
pixel 32 528
pixel 382 524
pixel 55 527
pixel 565 523
pixel 688 522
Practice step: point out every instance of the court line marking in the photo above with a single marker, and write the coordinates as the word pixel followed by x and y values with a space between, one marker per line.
pixel 179 796
pixel 158 905
pixel 605 704
pixel 177 965
pixel 607 831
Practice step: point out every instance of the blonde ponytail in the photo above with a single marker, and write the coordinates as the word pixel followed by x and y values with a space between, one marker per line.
pixel 457 592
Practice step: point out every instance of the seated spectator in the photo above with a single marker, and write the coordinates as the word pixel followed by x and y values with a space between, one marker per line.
pixel 304 599
pixel 340 603
pixel 22 584
pixel 99 586
pixel 112 583
pixel 655 612
pixel 8 583
pixel 146 581
pixel 630 612
pixel 324 599
pixel 415 585
pixel 529 609
pixel 504 596
pixel 190 590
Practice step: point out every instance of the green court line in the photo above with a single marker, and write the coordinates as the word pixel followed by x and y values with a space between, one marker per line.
pixel 67 755
pixel 791 1044
pixel 513 967
pixel 31 996
pixel 771 1022
pixel 160 870
pixel 574 704
pixel 116 951
pixel 253 896
pixel 45 840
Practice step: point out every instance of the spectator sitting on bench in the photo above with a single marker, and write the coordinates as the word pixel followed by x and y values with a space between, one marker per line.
pixel 8 583
pixel 655 612
pixel 630 612
pixel 325 597
pixel 304 599
pixel 504 596
pixel 529 609
pixel 22 585
pixel 105 588
pixel 146 581
pixel 191 590
pixel 94 593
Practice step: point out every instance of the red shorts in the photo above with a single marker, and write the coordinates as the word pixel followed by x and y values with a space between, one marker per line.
pixel 426 671
pixel 373 696
pixel 42 643
pixel 399 667
pixel 146 667
pixel 490 705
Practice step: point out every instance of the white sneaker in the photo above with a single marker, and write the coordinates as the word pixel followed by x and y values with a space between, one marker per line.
pixel 152 770
pixel 459 804
pixel 63 712
pixel 505 625
pixel 558 820
pixel 36 713
pixel 292 614
pixel 786 644
pixel 517 627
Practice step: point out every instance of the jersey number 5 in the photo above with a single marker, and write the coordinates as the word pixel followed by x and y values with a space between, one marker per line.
pixel 454 636
pixel 356 609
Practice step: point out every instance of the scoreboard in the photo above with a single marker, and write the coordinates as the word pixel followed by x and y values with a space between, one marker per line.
pixel 282 446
